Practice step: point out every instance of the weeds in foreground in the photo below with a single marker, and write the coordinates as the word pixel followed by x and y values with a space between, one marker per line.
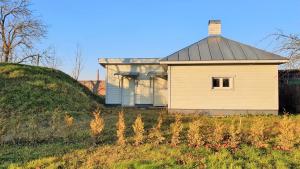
pixel 176 129
pixel 121 129
pixel 96 125
pixel 155 134
pixel 138 129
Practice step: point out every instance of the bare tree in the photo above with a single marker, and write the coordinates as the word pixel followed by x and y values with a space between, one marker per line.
pixel 50 59
pixel 78 63
pixel 289 46
pixel 19 29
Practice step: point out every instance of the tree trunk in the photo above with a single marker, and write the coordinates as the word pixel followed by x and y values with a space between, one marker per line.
pixel 6 57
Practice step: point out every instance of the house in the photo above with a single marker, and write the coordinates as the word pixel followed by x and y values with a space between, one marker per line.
pixel 215 76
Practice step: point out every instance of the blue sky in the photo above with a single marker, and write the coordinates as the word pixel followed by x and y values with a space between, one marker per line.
pixel 155 28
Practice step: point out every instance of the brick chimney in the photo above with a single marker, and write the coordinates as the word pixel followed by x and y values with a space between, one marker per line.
pixel 214 27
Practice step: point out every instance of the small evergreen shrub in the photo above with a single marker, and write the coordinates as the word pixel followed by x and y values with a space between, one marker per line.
pixel 96 126
pixel 257 133
pixel 69 120
pixel 155 135
pixel 235 134
pixel 3 129
pixel 194 136
pixel 33 132
pixel 121 129
pixel 176 129
pixel 217 136
pixel 55 125
pixel 138 129
pixel 16 128
pixel 69 133
pixel 287 136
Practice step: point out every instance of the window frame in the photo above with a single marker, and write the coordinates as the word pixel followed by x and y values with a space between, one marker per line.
pixel 221 78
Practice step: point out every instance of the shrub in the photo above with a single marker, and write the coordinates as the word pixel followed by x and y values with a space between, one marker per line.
pixel 176 128
pixel 33 130
pixel 16 126
pixel 55 125
pixel 138 128
pixel 287 136
pixel 217 135
pixel 258 133
pixel 68 131
pixel 155 134
pixel 235 132
pixel 96 125
pixel 195 138
pixel 121 129
pixel 69 120
pixel 3 129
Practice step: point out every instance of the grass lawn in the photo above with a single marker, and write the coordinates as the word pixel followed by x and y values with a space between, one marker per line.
pixel 77 150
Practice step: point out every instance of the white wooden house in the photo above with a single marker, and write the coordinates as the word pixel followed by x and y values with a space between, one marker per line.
pixel 215 75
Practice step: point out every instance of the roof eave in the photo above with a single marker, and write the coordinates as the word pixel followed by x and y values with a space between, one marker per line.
pixel 127 61
pixel 281 61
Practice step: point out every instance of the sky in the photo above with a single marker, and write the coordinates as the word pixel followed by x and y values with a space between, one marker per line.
pixel 154 28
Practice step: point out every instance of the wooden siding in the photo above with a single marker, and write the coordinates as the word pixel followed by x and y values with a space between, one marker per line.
pixel 255 87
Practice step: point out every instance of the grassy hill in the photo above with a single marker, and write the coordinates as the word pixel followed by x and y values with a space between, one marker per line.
pixel 34 102
pixel 31 89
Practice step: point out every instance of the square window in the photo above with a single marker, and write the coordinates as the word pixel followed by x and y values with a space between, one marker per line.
pixel 216 82
pixel 222 82
pixel 226 82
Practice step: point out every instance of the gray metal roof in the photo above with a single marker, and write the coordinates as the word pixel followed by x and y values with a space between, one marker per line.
pixel 218 48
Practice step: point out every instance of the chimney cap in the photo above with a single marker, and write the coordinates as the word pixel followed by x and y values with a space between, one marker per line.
pixel 217 21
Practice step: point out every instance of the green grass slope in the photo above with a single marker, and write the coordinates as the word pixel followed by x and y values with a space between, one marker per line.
pixel 31 89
